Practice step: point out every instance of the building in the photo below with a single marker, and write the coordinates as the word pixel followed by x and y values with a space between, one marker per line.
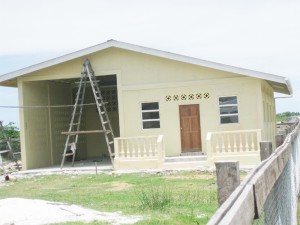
pixel 163 106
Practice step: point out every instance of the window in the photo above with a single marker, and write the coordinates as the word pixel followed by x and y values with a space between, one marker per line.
pixel 150 115
pixel 228 110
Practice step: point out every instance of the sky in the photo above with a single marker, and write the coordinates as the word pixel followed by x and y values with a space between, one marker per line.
pixel 261 35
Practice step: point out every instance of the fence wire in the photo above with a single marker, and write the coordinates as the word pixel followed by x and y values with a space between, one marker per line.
pixel 281 204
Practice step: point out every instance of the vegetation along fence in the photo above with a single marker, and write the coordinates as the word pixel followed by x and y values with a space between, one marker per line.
pixel 268 195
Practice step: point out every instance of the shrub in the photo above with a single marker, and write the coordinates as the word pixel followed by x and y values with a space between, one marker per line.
pixel 155 197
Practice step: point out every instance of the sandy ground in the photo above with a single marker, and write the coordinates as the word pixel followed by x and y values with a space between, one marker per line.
pixel 19 211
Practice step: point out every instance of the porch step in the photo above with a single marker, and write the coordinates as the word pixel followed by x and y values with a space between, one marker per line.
pixel 188 158
pixel 191 153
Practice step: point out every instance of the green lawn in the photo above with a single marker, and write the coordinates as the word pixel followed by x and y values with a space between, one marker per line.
pixel 298 211
pixel 179 198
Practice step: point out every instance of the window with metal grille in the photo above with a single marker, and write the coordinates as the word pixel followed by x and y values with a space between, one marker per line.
pixel 228 109
pixel 150 115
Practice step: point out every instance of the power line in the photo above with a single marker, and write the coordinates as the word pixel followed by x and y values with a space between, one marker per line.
pixel 44 106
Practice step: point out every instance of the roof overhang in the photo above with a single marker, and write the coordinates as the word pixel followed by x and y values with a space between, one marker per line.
pixel 280 84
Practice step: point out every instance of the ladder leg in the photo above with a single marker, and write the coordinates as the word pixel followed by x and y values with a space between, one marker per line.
pixel 62 162
pixel 103 115
pixel 73 159
pixel 76 118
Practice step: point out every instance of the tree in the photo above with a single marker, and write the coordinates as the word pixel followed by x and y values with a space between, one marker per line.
pixel 285 115
pixel 10 131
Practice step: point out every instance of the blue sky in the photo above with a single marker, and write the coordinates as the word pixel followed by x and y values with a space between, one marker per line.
pixel 258 35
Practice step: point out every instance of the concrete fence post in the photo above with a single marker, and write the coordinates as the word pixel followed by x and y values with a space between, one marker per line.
pixel 265 149
pixel 228 178
pixel 279 140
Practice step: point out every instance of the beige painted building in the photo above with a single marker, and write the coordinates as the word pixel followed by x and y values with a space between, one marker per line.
pixel 167 110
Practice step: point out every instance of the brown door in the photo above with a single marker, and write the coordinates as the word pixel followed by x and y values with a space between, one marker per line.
pixel 190 128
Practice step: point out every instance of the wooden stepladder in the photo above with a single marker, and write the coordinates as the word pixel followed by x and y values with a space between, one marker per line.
pixel 8 149
pixel 87 77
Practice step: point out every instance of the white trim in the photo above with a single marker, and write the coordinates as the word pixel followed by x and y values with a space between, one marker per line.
pixel 231 114
pixel 150 120
pixel 149 51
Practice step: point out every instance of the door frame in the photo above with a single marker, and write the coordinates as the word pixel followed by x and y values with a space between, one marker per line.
pixel 197 127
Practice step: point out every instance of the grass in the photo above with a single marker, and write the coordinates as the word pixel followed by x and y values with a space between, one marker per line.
pixel 298 211
pixel 180 198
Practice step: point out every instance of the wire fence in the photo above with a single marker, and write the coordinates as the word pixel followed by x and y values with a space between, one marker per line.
pixel 269 194
pixel 281 204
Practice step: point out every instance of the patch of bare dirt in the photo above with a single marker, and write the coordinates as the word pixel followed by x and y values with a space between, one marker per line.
pixel 204 176
pixel 119 186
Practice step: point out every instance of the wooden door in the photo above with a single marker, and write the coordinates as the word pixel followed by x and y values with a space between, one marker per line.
pixel 190 128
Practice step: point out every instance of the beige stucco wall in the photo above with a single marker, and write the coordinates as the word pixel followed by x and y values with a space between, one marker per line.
pixel 246 90
pixel 143 78
pixel 34 124
pixel 41 127
pixel 269 114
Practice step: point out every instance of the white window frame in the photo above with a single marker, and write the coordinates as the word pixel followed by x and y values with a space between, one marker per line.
pixel 232 114
pixel 150 120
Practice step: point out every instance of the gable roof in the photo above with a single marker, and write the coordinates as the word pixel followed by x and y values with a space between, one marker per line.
pixel 280 84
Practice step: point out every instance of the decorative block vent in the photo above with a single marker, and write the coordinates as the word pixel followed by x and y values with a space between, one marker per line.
pixel 198 96
pixel 206 95
pixel 184 97
pixel 110 96
pixel 176 97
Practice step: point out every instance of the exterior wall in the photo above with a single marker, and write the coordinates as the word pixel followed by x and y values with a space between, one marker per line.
pixel 269 113
pixel 41 138
pixel 59 94
pixel 144 78
pixel 244 88
pixel 34 124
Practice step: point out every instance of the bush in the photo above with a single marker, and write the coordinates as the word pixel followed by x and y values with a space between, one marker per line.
pixel 10 131
pixel 156 198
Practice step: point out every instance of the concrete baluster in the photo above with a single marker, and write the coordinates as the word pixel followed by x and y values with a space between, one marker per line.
pixel 234 143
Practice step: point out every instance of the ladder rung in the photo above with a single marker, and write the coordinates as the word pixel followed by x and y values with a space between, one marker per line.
pixel 112 154
pixel 77 82
pixel 67 154
pixel 9 139
pixel 111 142
pixel 105 122
pixel 4 151
pixel 74 124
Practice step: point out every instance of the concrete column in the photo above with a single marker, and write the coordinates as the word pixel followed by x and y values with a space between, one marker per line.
pixel 282 132
pixel 228 179
pixel 265 149
pixel 279 140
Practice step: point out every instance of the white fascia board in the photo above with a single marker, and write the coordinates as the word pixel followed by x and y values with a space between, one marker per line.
pixel 289 86
pixel 145 50
pixel 54 61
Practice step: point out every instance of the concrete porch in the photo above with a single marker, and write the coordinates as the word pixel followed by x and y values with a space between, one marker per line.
pixel 148 152
pixel 193 161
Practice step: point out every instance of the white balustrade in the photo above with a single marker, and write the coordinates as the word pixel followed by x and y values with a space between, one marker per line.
pixel 239 141
pixel 139 147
